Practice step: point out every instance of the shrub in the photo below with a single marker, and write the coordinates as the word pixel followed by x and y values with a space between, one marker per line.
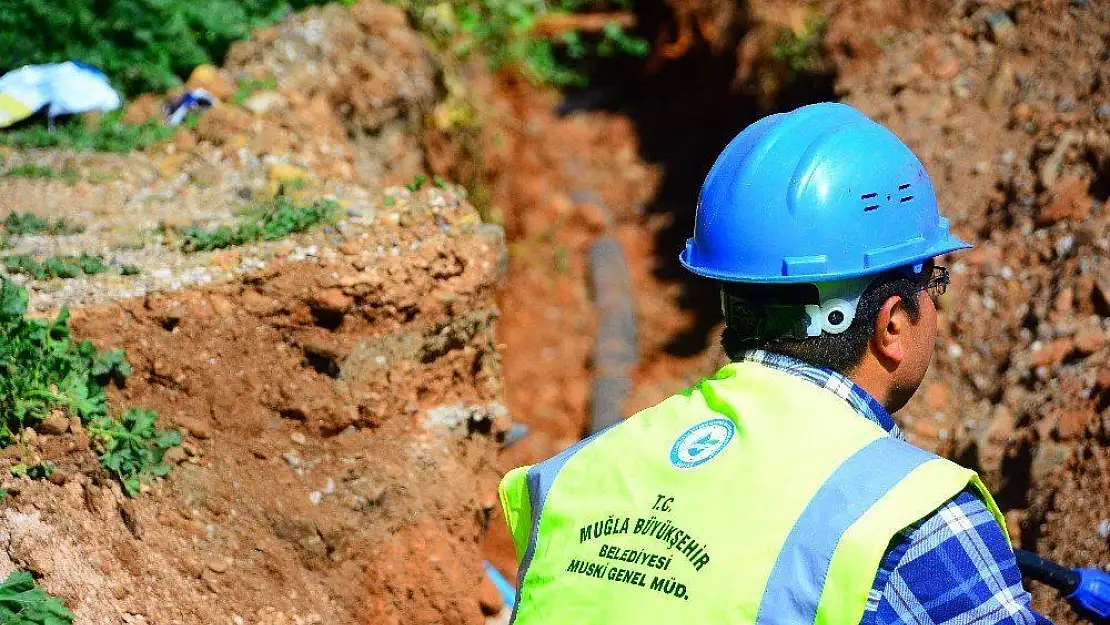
pixel 143 45
pixel 109 134
pixel 150 45
pixel 505 31
pixel 801 51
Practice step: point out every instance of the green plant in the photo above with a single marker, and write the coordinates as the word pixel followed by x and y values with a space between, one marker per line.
pixel 44 172
pixel 39 471
pixel 269 221
pixel 801 51
pixel 562 264
pixel 142 45
pixel 129 270
pixel 251 86
pixel 417 183
pixel 505 32
pixel 132 447
pixel 109 134
pixel 111 366
pixel 18 223
pixel 42 369
pixel 24 603
pixel 56 266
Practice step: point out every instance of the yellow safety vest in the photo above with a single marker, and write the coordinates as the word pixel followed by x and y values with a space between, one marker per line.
pixel 754 497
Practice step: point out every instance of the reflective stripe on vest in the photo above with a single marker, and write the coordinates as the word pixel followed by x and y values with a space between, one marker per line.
pixel 784 524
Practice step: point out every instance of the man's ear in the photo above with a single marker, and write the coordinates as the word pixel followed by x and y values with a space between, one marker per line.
pixel 888 342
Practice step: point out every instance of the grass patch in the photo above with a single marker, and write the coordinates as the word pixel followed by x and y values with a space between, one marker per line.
pixel 22 224
pixel 269 221
pixel 56 266
pixel 42 172
pixel 42 369
pixel 24 603
pixel 108 134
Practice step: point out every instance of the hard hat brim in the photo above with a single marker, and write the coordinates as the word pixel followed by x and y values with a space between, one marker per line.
pixel 944 246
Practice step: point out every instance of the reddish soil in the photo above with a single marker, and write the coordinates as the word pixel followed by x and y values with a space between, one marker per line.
pixel 341 422
pixel 342 412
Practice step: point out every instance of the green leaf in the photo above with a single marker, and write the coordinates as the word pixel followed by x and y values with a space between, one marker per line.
pixel 132 446
pixel 111 365
pixel 23 603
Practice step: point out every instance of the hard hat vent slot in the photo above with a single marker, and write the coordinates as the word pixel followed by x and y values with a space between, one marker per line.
pixel 869 196
pixel 905 198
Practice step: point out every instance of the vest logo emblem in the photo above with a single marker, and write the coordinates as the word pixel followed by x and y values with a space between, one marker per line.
pixel 701 443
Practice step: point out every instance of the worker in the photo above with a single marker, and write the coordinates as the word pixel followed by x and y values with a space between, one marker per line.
pixel 780 490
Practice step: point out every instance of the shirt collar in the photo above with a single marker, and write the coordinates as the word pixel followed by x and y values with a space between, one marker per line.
pixel 860 400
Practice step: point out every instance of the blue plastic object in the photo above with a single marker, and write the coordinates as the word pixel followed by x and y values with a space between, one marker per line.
pixel 1092 596
pixel 817 194
pixel 507 590
pixel 516 432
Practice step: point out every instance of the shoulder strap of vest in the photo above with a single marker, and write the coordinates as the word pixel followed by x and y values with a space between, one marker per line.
pixel 861 547
pixel 513 491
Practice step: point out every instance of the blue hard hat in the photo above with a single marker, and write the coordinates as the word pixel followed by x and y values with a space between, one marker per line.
pixel 817 194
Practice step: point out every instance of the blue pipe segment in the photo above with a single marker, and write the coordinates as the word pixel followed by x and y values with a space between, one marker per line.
pixel 507 590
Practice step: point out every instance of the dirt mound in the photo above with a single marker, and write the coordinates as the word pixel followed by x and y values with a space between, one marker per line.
pixel 1008 107
pixel 1073 510
pixel 338 389
pixel 365 64
pixel 341 417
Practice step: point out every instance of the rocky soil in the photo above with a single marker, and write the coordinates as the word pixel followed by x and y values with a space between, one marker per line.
pixel 1009 105
pixel 339 390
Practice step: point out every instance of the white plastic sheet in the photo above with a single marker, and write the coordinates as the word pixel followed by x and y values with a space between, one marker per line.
pixel 61 88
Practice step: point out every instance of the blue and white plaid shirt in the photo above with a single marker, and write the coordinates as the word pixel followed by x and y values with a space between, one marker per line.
pixel 954 567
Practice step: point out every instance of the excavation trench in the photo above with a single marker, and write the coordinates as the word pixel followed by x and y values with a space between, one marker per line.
pixel 1017 390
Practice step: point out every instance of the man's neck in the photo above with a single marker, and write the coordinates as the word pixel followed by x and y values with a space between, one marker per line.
pixel 872 377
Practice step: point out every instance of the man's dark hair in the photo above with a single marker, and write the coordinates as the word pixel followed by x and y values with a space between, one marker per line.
pixel 842 352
